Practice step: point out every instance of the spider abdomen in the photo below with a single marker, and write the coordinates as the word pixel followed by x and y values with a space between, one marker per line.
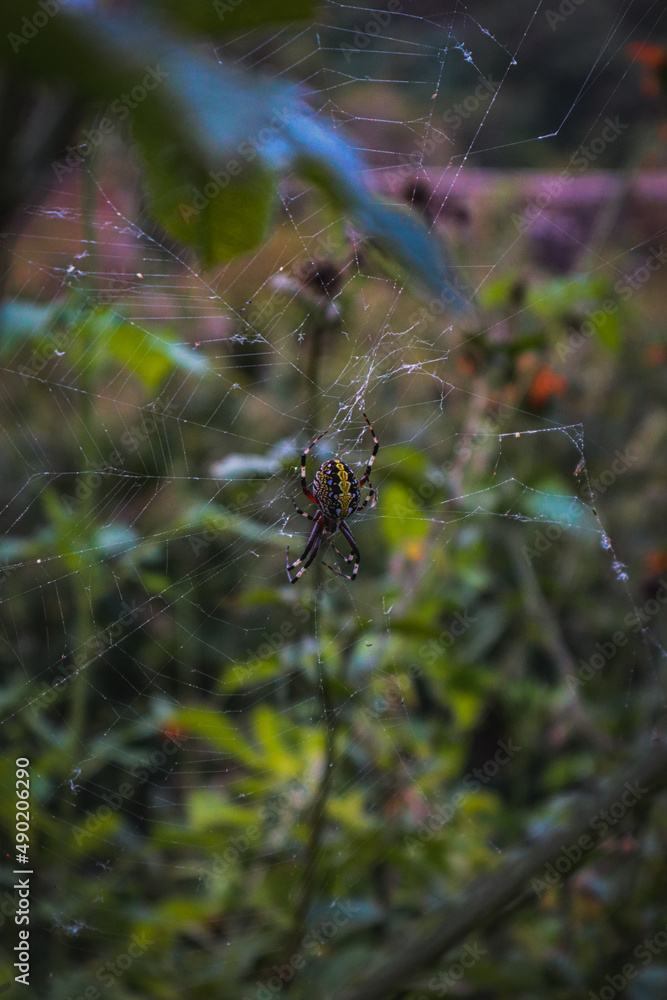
pixel 336 490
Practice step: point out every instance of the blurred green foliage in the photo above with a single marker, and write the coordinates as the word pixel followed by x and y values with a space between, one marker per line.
pixel 224 767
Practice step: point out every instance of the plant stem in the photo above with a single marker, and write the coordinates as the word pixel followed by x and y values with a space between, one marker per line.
pixel 493 896
pixel 316 813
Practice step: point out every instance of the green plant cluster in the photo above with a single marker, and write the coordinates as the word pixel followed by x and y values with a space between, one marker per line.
pixel 242 789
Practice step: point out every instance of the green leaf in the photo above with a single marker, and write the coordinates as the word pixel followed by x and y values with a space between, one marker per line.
pixel 401 237
pixel 403 522
pixel 230 222
pixel 245 675
pixel 608 331
pixel 270 732
pixel 212 137
pixel 350 810
pixel 20 321
pixel 209 517
pixel 68 326
pixel 112 540
pixel 217 17
pixel 211 726
pixel 548 504
pixel 565 294
pixel 330 162
pixel 149 356
pixel 236 466
pixel 207 809
pixel 242 467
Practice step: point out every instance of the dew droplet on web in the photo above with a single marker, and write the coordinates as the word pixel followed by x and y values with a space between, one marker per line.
pixel 619 570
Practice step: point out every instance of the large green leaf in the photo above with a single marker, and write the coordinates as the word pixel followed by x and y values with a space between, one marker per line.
pixel 333 164
pixel 212 136
pixel 217 17
pixel 221 219
pixel 150 356
pixel 69 327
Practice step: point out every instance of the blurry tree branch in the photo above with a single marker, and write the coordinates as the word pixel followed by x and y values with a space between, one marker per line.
pixel 493 896
pixel 35 125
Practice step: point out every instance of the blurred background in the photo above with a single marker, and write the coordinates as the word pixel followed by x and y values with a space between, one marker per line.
pixel 241 788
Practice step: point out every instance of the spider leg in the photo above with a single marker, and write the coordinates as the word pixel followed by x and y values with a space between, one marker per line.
pixel 304 487
pixel 302 512
pixel 305 566
pixel 304 481
pixel 314 542
pixel 373 495
pixel 346 559
pixel 376 448
pixel 355 554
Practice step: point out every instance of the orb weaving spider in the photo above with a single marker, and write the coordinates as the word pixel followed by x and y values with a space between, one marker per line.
pixel 337 492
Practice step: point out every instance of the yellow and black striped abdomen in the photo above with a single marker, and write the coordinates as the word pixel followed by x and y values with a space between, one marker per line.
pixel 336 490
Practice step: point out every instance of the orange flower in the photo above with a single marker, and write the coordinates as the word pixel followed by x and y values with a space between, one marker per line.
pixel 653 60
pixel 647 53
pixel 546 385
pixel 174 733
pixel 654 355
pixel 655 562
pixel 414 550
pixel 466 365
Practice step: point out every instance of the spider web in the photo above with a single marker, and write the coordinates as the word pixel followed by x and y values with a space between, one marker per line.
pixel 197 469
